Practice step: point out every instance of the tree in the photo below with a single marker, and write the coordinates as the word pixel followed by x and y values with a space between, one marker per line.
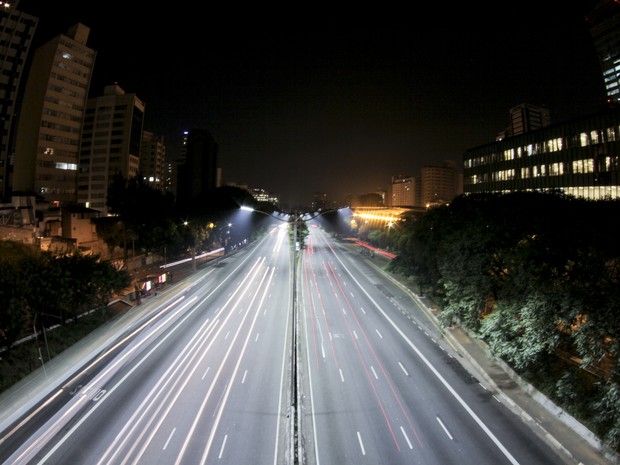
pixel 41 289
pixel 12 305
pixel 148 216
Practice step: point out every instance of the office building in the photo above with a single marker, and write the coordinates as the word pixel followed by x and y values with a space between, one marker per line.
pixel 16 32
pixel 111 144
pixel 578 157
pixel 604 23
pixel 50 122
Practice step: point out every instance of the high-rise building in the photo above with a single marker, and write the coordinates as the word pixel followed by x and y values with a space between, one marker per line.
pixel 197 170
pixel 527 117
pixel 403 191
pixel 438 184
pixel 153 166
pixel 16 32
pixel 111 144
pixel 50 122
pixel 604 22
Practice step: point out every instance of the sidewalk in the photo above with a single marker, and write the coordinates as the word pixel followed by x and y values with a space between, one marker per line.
pixel 574 442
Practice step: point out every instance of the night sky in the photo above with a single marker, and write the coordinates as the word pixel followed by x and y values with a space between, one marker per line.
pixel 319 98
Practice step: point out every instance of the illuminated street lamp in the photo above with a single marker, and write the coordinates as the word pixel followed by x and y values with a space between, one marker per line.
pixel 292 219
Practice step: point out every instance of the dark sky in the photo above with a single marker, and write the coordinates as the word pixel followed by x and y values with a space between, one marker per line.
pixel 322 98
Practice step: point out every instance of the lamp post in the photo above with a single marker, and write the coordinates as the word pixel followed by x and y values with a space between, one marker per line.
pixel 47 347
pixel 36 338
pixel 193 245
pixel 293 219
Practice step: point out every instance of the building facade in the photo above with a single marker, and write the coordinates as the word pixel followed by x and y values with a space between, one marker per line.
pixel 50 122
pixel 16 32
pixel 111 144
pixel 604 23
pixel 527 117
pixel 197 170
pixel 579 158
pixel 403 190
pixel 153 166
pixel 438 184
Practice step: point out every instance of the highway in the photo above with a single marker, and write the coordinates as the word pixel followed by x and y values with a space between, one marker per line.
pixel 221 370
pixel 380 384
pixel 203 378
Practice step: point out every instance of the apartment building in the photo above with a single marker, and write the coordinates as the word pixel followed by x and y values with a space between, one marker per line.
pixel 50 122
pixel 111 144
pixel 16 32
pixel 403 191
pixel 153 166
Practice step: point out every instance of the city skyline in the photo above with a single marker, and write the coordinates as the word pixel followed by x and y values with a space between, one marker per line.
pixel 339 107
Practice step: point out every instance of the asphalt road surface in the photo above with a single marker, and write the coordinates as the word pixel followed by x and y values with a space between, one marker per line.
pixel 248 361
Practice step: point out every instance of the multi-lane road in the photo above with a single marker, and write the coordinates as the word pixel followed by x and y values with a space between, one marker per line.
pixel 246 362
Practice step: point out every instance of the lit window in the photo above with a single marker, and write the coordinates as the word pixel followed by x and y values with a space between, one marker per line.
pixel 65 166
pixel 556 169
pixel 611 134
pixel 583 166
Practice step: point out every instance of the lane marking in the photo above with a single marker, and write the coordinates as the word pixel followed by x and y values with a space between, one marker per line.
pixel 169 438
pixel 223 445
pixel 403 368
pixel 359 438
pixel 445 429
pixel 341 376
pixel 256 338
pixel 205 373
pixel 379 333
pixel 438 375
pixel 406 438
pixel 374 372
pixel 244 375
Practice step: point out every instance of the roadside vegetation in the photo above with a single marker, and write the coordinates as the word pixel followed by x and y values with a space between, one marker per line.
pixel 39 290
pixel 50 301
pixel 536 277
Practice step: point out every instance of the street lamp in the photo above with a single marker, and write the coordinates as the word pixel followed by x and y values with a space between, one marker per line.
pixel 294 220
pixel 36 338
pixel 390 225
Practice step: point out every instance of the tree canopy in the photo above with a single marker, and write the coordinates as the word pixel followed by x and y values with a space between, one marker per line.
pixel 536 276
